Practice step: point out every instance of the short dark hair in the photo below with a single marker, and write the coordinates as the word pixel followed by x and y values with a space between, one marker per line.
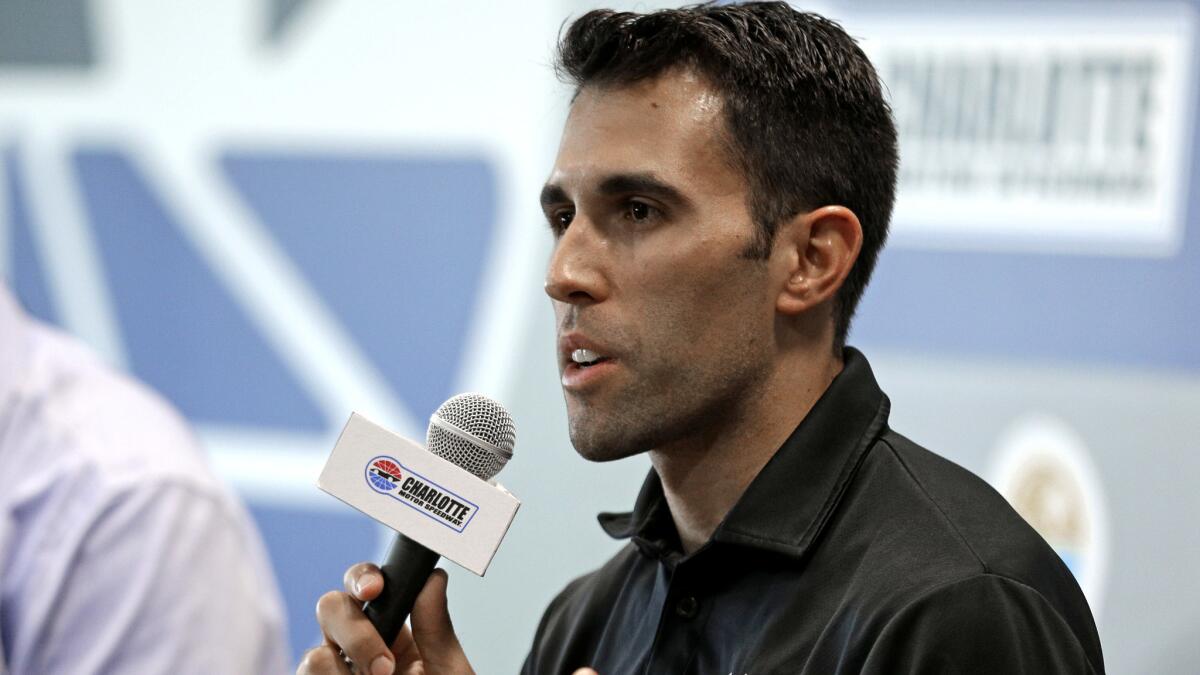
pixel 806 119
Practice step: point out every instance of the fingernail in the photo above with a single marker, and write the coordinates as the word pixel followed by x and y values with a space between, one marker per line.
pixel 382 665
pixel 362 582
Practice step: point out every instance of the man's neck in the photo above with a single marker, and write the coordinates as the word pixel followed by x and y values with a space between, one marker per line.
pixel 703 478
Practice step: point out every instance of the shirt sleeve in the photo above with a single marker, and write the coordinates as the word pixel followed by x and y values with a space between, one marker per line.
pixel 983 624
pixel 166 580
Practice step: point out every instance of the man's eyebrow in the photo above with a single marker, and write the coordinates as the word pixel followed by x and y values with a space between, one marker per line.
pixel 642 183
pixel 621 184
pixel 553 194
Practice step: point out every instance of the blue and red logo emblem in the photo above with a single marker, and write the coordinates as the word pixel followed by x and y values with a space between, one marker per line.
pixel 384 474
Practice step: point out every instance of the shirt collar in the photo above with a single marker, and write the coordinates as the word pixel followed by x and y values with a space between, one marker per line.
pixel 791 499
pixel 14 344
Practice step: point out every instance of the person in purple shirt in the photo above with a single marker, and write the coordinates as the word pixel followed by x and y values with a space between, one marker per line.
pixel 120 551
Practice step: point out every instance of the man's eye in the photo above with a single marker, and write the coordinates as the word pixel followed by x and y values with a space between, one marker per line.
pixel 561 220
pixel 639 211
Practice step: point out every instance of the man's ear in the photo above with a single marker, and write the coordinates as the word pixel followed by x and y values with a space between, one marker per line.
pixel 817 249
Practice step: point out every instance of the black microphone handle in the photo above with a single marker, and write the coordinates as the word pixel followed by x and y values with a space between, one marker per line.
pixel 407 567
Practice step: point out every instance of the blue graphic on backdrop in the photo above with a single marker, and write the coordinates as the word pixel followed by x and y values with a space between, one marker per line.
pixel 29 272
pixel 185 335
pixel 305 563
pixel 394 246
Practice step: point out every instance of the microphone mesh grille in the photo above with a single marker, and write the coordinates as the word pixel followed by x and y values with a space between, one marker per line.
pixel 482 418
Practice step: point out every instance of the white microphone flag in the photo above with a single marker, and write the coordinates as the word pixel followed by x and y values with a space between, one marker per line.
pixel 399 483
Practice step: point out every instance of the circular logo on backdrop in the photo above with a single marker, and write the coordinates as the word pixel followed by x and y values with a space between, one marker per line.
pixel 383 474
pixel 1043 469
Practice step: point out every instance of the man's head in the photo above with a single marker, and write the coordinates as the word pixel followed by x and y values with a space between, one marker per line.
pixel 695 138
pixel 806 120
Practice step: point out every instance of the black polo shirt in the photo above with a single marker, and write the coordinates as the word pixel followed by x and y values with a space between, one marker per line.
pixel 853 550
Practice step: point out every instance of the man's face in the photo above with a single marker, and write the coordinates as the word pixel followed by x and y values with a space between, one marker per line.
pixel 648 276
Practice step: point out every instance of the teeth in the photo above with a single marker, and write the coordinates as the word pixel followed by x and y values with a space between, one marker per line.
pixel 584 356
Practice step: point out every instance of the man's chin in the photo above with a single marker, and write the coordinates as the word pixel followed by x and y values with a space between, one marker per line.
pixel 606 454
pixel 597 448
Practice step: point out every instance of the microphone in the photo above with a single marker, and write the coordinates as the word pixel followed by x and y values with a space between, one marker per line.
pixel 475 433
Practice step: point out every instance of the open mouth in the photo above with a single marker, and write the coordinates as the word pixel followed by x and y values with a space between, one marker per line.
pixel 586 358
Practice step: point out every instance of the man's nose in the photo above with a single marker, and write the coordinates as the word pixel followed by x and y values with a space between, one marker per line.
pixel 576 271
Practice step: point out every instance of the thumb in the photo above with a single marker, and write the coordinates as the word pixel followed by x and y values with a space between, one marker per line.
pixel 585 671
pixel 434 633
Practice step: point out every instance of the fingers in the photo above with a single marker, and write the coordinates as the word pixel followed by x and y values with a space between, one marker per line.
pixel 431 642
pixel 323 660
pixel 405 650
pixel 345 626
pixel 364 581
pixel 433 631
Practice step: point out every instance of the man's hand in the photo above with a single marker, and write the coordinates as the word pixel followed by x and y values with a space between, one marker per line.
pixel 429 648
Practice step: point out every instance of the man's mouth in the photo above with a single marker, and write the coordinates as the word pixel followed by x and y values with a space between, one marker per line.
pixel 586 358
pixel 585 366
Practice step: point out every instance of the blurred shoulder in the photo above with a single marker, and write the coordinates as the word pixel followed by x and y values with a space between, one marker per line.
pixel 973 515
pixel 72 411
pixel 958 536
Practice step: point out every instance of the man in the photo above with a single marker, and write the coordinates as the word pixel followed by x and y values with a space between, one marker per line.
pixel 120 552
pixel 721 191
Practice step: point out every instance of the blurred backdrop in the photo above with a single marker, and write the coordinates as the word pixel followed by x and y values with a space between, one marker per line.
pixel 279 211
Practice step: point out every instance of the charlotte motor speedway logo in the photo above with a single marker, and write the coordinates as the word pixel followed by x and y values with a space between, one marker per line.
pixel 387 476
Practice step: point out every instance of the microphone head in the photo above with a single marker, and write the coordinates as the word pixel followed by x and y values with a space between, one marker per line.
pixel 474 432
